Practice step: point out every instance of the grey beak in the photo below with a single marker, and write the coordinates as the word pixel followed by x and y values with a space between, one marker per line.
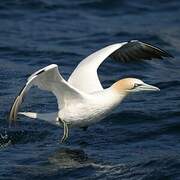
pixel 147 87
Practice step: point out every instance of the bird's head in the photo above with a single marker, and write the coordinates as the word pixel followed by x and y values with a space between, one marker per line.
pixel 129 85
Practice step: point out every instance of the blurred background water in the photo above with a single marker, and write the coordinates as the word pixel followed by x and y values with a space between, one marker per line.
pixel 140 140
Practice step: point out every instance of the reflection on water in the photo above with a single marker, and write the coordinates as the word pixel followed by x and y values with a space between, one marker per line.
pixel 68 163
pixel 68 158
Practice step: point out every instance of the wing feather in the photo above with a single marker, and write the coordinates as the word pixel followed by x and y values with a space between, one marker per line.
pixel 136 50
pixel 85 77
pixel 48 79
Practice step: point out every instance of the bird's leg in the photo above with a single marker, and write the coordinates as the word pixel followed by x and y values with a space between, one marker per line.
pixel 66 130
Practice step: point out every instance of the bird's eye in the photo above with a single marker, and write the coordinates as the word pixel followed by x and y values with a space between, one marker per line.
pixel 136 85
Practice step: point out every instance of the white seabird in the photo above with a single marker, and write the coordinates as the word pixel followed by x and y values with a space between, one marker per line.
pixel 82 100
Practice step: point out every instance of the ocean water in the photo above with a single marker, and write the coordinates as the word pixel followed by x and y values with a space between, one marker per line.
pixel 140 140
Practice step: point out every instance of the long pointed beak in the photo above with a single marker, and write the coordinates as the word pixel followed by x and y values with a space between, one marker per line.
pixel 147 87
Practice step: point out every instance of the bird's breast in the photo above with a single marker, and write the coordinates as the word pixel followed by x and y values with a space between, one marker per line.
pixel 82 115
pixel 89 111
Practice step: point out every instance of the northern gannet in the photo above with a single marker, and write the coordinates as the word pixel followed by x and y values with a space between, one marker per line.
pixel 82 100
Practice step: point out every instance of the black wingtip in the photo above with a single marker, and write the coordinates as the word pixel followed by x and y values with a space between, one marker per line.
pixel 167 54
pixel 170 55
pixel 164 53
pixel 39 72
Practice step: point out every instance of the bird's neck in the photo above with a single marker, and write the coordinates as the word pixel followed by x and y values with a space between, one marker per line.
pixel 117 96
pixel 111 98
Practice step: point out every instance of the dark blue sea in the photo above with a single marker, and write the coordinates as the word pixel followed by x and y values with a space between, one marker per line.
pixel 138 141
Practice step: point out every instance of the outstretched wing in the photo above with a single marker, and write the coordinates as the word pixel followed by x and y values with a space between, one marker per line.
pixel 48 79
pixel 85 77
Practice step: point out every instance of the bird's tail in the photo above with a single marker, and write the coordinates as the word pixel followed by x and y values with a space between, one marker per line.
pixel 49 117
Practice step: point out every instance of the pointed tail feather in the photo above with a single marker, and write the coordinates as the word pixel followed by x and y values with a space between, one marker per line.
pixel 49 117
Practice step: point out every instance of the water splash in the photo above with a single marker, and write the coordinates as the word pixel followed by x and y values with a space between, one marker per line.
pixel 4 140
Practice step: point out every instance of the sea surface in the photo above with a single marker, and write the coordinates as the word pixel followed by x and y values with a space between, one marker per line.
pixel 140 140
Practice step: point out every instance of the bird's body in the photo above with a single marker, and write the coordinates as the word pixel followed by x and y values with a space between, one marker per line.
pixel 92 108
pixel 82 101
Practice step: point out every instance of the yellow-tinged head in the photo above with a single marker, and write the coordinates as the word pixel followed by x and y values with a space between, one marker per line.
pixel 128 85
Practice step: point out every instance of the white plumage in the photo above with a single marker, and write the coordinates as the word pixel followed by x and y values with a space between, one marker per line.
pixel 82 100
